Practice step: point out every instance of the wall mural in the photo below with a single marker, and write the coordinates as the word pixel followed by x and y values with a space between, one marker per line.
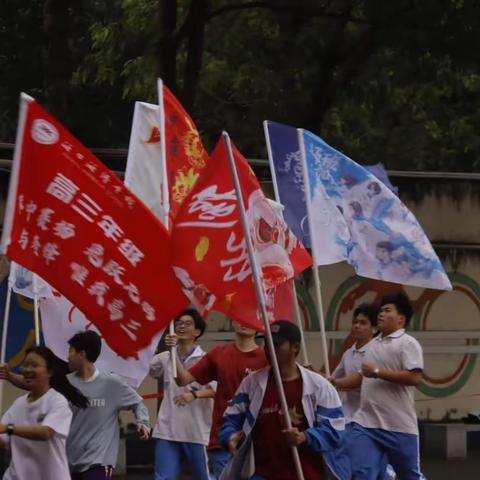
pixel 21 333
pixel 356 290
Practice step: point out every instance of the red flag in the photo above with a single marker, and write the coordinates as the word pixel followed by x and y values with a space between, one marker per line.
pixel 186 156
pixel 76 225
pixel 209 250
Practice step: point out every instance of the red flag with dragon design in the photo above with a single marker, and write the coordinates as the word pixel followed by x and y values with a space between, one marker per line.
pixel 209 251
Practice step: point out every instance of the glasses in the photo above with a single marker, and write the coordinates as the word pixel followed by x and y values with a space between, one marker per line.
pixel 33 366
pixel 184 323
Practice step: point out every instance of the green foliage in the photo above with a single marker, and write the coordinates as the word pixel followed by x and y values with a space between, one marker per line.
pixel 395 81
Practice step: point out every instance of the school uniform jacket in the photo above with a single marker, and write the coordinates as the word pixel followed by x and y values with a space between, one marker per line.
pixel 323 411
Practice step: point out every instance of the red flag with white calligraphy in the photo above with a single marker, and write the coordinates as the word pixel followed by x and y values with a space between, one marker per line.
pixel 209 249
pixel 74 223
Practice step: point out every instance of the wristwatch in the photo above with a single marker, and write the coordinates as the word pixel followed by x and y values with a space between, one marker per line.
pixel 10 429
pixel 194 393
pixel 376 372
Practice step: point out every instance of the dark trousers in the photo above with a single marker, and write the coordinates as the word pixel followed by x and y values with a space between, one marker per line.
pixel 95 473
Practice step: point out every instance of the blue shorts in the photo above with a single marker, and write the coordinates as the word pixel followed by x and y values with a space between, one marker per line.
pixel 369 447
pixel 170 455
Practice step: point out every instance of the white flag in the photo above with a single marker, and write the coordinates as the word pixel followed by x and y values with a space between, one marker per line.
pixel 26 283
pixel 144 171
pixel 61 320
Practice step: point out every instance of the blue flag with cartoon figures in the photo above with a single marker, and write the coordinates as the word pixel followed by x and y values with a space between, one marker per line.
pixel 355 217
pixel 286 168
pixel 21 333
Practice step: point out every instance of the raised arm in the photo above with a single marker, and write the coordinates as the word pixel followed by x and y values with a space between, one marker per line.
pixel 184 377
pixel 14 378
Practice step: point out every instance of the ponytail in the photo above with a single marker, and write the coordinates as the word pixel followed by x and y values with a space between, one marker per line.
pixel 59 380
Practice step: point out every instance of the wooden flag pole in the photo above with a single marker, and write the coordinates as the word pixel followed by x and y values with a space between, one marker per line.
pixel 261 301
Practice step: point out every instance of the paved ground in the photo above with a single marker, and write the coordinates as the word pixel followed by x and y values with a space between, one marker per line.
pixel 434 469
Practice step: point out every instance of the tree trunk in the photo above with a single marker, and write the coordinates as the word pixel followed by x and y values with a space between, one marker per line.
pixel 198 15
pixel 57 59
pixel 167 43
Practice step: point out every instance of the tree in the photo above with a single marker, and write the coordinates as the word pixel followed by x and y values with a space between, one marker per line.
pixel 382 81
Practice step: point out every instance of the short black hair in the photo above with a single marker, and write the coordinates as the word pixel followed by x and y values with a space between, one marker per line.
pixel 89 342
pixel 197 319
pixel 370 310
pixel 402 304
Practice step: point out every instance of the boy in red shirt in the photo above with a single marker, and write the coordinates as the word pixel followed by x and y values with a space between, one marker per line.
pixel 228 364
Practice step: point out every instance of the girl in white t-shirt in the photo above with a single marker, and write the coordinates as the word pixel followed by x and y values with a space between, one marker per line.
pixel 36 426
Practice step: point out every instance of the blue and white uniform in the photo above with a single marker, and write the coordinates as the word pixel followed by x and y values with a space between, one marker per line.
pixel 386 422
pixel 322 409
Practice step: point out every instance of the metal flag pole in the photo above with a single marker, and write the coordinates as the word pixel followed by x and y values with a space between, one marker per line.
pixel 261 300
pixel 165 198
pixel 298 315
pixel 316 276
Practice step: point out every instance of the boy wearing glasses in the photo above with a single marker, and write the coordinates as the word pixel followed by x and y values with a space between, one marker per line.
pixel 183 424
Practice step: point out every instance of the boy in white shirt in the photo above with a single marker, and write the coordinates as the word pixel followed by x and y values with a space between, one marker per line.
pixel 184 420
pixel 386 423
pixel 364 325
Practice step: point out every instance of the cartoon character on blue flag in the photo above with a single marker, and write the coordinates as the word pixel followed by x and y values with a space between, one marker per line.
pixel 355 217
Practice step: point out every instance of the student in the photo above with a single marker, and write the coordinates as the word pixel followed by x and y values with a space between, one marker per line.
pixel 386 422
pixel 92 446
pixel 36 426
pixel 254 429
pixel 184 420
pixel 226 364
pixel 364 325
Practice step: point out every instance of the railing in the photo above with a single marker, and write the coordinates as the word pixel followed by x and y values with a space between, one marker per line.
pixel 433 342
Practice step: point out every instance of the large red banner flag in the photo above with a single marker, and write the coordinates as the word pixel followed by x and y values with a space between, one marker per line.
pixel 70 220
pixel 210 254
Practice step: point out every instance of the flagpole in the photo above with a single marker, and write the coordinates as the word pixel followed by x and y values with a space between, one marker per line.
pixel 36 308
pixel 298 317
pixel 12 188
pixel 165 198
pixel 316 276
pixel 3 348
pixel 36 317
pixel 261 300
